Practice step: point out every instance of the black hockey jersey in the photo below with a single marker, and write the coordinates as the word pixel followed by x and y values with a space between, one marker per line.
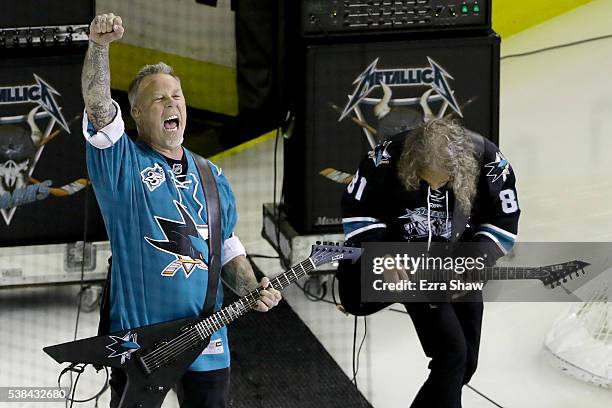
pixel 377 207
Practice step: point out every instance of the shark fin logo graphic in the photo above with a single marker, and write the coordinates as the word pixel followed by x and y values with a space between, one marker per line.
pixel 184 239
pixel 380 154
pixel 500 168
pixel 434 76
pixel 123 347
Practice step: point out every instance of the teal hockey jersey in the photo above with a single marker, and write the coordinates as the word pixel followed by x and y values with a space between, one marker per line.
pixel 158 228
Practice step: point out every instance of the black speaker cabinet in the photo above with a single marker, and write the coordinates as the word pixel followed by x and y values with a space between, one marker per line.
pixel 42 150
pixel 37 13
pixel 330 84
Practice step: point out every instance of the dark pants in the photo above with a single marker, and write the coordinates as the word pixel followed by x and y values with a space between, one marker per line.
pixel 196 389
pixel 450 335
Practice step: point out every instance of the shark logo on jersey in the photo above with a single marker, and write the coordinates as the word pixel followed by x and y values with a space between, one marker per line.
pixel 123 346
pixel 153 177
pixel 380 155
pixel 184 239
pixel 500 168
pixel 433 76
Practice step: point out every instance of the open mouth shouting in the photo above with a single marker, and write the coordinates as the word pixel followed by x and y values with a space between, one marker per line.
pixel 171 123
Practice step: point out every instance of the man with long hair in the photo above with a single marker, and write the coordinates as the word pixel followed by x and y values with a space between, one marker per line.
pixel 427 176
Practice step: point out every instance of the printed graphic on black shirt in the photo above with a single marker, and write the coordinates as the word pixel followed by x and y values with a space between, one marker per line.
pixel 416 224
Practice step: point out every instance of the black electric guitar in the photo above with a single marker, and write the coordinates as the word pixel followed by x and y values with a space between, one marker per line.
pixel 155 357
pixel 349 281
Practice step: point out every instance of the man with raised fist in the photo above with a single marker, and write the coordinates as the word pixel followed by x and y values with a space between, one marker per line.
pixel 150 195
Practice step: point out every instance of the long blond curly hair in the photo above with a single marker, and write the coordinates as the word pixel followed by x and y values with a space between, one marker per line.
pixel 443 145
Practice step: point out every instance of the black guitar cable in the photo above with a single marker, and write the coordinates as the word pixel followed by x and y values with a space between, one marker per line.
pixel 354 379
pixel 79 369
pixel 82 284
pixel 358 354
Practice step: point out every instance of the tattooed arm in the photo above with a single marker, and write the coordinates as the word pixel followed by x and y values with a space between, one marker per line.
pixel 95 80
pixel 238 275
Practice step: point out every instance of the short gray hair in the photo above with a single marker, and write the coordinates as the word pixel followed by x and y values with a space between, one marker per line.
pixel 152 69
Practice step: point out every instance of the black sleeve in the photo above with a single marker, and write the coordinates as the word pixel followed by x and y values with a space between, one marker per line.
pixel 496 211
pixel 362 217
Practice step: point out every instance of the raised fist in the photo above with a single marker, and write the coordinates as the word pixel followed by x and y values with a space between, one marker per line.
pixel 106 28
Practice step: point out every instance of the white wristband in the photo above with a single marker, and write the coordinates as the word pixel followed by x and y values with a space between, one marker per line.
pixel 232 247
pixel 109 134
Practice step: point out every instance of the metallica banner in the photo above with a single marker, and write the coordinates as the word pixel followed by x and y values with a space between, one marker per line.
pixel 43 175
pixel 352 96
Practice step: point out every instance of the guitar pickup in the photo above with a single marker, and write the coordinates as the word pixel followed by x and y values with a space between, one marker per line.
pixel 144 366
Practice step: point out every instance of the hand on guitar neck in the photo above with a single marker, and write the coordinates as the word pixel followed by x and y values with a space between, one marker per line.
pixel 269 297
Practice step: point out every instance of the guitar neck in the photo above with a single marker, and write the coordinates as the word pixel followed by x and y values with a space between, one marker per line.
pixel 487 273
pixel 505 273
pixel 207 326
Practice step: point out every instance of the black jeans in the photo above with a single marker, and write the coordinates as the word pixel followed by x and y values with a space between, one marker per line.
pixel 450 335
pixel 196 389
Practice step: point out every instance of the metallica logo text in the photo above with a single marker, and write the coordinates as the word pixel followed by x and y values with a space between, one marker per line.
pixel 434 76
pixel 40 93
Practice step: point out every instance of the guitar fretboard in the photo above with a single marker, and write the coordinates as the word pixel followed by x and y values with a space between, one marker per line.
pixel 206 327
pixel 500 273
pixel 505 273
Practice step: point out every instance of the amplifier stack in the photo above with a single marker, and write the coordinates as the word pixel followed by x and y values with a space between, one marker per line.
pixel 332 47
pixel 323 18
pixel 43 175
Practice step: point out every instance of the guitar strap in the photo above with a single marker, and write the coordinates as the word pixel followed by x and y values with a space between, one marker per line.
pixel 104 323
pixel 211 194
pixel 460 218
